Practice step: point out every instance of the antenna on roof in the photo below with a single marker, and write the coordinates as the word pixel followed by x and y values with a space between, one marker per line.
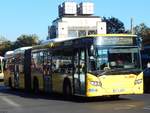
pixel 132 26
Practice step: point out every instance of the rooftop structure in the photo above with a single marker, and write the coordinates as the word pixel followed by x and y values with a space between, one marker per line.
pixel 72 8
pixel 76 20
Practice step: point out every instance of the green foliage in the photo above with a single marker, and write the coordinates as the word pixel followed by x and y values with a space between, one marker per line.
pixel 140 29
pixel 143 31
pixel 5 45
pixel 26 40
pixel 114 25
pixel 2 39
pixel 22 41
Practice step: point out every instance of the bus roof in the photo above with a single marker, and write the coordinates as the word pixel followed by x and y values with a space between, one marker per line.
pixel 96 35
pixel 111 35
pixel 52 42
pixel 21 50
pixel 58 40
pixel 8 54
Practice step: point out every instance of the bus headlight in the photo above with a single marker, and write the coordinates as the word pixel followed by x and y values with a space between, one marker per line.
pixel 96 83
pixel 138 81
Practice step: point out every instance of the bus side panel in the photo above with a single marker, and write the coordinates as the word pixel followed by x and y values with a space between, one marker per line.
pixel 6 77
pixel 21 77
pixel 57 81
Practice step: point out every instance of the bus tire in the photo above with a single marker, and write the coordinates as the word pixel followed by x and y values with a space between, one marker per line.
pixel 67 90
pixel 35 85
pixel 115 97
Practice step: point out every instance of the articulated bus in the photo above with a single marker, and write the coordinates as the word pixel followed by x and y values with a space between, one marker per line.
pixel 90 66
pixel 1 68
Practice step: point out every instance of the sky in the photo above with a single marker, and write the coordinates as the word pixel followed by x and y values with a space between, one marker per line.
pixel 19 17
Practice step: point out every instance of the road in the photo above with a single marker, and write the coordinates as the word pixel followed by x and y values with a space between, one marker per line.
pixel 20 102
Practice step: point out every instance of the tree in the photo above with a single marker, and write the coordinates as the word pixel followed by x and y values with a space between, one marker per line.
pixel 114 25
pixel 2 39
pixel 5 45
pixel 26 40
pixel 140 29
pixel 144 32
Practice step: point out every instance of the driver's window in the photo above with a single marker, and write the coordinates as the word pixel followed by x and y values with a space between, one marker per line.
pixel 99 60
pixel 102 58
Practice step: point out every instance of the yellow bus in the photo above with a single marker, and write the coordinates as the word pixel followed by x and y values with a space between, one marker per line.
pixel 1 68
pixel 90 66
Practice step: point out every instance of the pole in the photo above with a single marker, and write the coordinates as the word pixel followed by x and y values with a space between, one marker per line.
pixel 132 29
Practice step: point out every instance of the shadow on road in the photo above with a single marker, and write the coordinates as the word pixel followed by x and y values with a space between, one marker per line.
pixel 7 91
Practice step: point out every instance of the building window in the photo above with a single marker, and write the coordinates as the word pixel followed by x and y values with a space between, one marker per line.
pixel 72 33
pixel 91 32
pixel 82 33
pixel 53 32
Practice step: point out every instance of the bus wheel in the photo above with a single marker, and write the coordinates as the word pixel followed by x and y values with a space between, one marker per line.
pixel 35 85
pixel 115 97
pixel 67 90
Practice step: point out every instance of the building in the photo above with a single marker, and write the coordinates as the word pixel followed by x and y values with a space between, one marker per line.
pixel 76 20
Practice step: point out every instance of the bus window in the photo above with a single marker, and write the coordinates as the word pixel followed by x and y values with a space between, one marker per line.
pixel 62 63
pixel 37 62
pixel 99 60
pixel 125 58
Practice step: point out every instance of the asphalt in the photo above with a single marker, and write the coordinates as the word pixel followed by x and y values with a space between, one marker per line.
pixel 17 101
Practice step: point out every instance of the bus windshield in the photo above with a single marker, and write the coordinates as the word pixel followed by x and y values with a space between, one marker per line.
pixel 115 58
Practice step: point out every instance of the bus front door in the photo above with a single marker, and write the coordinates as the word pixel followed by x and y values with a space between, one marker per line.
pixel 79 73
pixel 47 73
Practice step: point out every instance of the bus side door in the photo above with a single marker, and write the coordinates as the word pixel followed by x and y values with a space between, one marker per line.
pixel 47 72
pixel 79 61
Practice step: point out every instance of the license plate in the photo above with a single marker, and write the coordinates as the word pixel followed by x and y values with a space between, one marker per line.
pixel 118 90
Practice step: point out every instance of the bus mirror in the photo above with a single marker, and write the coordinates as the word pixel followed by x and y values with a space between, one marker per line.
pixel 148 65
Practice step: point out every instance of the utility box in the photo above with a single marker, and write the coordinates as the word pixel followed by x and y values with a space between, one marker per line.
pixel 67 8
pixel 86 8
